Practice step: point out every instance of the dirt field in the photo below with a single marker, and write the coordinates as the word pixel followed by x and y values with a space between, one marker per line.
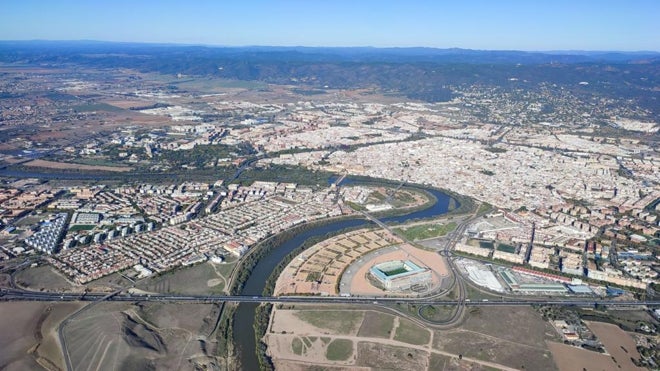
pixel 147 336
pixel 388 357
pixel 129 103
pixel 376 324
pixel 319 268
pixel 442 362
pixel 314 338
pixel 44 278
pixel 618 343
pixel 494 334
pixel 205 278
pixel 72 166
pixel 317 322
pixel 411 333
pixel 569 358
pixel 29 334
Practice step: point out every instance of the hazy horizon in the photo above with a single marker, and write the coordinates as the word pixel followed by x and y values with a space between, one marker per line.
pixel 182 44
pixel 561 25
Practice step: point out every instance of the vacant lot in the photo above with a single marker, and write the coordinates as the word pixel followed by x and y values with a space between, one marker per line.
pixel 506 322
pixel 411 333
pixel 18 332
pixel 29 336
pixel 339 350
pixel 337 322
pixel 301 339
pixel 376 324
pixel 618 343
pixel 182 316
pixel 494 334
pixel 113 336
pixel 205 278
pixel 72 166
pixel 43 278
pixel 445 363
pixel 388 357
pixel 437 312
pixel 569 358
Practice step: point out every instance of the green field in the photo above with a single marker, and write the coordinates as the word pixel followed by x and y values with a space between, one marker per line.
pixel 486 245
pixel 92 107
pixel 426 231
pixel 297 346
pixel 339 350
pixel 437 312
pixel 376 324
pixel 81 227
pixel 395 271
pixel 506 248
pixel 409 332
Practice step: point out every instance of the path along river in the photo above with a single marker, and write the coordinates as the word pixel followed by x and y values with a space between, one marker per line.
pixel 244 318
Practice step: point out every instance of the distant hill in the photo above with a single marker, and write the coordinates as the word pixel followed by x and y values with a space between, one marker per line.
pixel 426 74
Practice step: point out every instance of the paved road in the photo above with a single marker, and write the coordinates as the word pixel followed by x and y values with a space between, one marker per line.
pixel 21 295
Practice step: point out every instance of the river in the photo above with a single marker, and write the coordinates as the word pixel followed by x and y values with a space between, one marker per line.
pixel 244 317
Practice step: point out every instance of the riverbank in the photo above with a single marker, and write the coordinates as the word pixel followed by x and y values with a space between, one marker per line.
pixel 244 320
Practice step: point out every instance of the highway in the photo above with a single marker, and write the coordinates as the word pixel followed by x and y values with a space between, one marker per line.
pixel 22 295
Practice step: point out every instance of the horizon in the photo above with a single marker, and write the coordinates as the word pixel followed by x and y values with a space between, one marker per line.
pixel 181 44
pixel 518 25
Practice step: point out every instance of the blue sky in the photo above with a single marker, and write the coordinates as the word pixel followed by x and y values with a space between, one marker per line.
pixel 496 24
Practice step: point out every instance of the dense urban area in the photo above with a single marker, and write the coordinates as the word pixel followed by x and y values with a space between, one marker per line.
pixel 124 184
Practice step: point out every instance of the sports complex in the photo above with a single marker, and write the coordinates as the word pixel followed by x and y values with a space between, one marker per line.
pixel 399 275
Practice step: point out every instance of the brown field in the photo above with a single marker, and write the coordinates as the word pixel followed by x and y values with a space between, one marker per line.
pixel 505 322
pixel 29 69
pixel 29 334
pixel 383 341
pixel 319 268
pixel 494 334
pixel 569 358
pixel 126 336
pixel 72 166
pixel 445 363
pixel 288 365
pixel 205 278
pixel 317 322
pixel 376 324
pixel 49 135
pixel 388 357
pixel 128 103
pixel 44 278
pixel 5 280
pixel 618 343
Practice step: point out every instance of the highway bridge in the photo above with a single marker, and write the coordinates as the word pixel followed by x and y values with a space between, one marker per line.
pixel 22 295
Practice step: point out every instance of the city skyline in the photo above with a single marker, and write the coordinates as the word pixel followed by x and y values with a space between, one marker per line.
pixel 510 25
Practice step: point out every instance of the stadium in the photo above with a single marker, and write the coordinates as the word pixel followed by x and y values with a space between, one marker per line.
pixel 399 275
